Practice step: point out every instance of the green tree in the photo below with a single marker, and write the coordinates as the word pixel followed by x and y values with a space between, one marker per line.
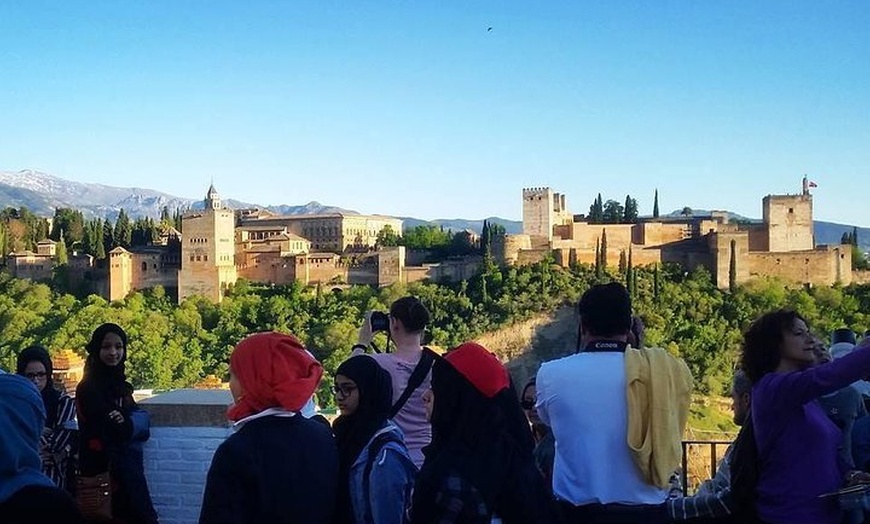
pixel 427 237
pixel 613 212
pixel 98 248
pixel 732 268
pixel 387 237
pixel 4 242
pixel 596 211
pixel 61 254
pixel 598 269
pixel 462 244
pixel 630 212
pixel 604 249
pixel 123 231
pixel 859 260
pixel 846 239
pixel 70 223
pixel 108 237
pixel 656 205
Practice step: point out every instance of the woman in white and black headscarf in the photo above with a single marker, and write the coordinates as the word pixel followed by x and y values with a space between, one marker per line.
pixel 34 364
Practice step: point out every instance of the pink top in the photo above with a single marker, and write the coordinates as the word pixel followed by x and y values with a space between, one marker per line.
pixel 412 417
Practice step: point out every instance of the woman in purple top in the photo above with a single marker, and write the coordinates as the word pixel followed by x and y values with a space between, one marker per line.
pixel 797 443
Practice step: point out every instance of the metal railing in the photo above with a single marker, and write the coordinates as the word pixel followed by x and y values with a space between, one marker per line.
pixel 714 459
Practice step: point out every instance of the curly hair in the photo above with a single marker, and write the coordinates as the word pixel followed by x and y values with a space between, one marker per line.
pixel 762 341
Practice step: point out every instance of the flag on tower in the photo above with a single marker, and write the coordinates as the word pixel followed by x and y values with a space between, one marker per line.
pixel 813 184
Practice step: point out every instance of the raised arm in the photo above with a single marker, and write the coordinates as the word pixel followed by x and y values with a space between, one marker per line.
pixel 800 387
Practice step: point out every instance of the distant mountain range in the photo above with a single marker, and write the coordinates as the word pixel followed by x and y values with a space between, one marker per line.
pixel 42 193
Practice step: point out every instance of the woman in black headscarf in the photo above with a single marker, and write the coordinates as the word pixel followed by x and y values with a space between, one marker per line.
pixel 479 467
pixel 111 426
pixel 34 363
pixel 375 471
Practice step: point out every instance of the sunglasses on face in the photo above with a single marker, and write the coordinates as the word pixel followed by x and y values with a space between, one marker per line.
pixel 527 404
pixel 38 374
pixel 345 391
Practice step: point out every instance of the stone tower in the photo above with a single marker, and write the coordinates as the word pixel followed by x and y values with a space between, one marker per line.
pixel 120 273
pixel 542 210
pixel 789 222
pixel 207 250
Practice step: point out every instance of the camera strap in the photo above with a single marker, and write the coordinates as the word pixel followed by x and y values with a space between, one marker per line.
pixel 417 377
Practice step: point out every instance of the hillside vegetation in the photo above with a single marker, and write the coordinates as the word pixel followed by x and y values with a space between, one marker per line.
pixel 177 345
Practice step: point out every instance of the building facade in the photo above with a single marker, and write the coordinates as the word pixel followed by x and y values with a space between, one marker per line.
pixel 781 245
pixel 208 265
pixel 336 232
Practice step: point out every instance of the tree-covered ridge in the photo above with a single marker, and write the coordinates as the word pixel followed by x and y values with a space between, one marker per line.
pixel 176 345
pixel 20 230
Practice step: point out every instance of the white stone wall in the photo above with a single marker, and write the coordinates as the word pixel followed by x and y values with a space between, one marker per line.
pixel 176 463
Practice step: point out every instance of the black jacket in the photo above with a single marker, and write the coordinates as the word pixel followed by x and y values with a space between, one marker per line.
pixel 279 470
pixel 40 504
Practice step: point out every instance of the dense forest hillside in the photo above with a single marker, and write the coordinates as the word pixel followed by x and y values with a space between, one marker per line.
pixel 177 345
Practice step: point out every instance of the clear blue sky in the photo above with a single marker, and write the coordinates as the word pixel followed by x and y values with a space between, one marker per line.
pixel 416 108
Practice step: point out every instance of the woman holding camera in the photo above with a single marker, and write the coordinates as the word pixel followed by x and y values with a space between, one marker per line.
pixel 409 366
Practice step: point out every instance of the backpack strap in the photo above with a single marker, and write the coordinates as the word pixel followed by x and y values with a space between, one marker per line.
pixel 417 377
pixel 375 449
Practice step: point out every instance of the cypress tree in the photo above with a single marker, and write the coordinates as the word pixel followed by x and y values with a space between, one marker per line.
pixel 99 247
pixel 108 236
pixel 604 249
pixel 597 257
pixel 732 268
pixel 60 252
pixel 656 205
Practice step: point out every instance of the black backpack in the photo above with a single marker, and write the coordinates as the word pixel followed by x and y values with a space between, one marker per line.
pixel 744 473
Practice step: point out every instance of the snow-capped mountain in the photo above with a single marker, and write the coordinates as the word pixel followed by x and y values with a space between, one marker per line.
pixel 41 193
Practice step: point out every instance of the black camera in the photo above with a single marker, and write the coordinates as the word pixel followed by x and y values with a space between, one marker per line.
pixel 380 321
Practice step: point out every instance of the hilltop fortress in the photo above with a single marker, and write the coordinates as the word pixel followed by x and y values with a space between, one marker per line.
pixel 220 245
pixel 782 245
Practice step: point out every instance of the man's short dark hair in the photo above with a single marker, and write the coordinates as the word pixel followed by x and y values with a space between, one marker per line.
pixel 741 385
pixel 605 310
pixel 411 312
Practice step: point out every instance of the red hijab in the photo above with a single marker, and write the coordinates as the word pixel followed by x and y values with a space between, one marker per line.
pixel 274 371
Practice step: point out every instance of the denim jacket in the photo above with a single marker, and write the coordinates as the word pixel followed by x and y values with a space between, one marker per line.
pixel 390 483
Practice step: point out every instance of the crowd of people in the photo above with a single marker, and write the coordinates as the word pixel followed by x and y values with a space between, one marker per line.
pixel 422 438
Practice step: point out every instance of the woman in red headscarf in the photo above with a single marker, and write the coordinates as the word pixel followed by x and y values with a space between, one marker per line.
pixel 479 467
pixel 278 466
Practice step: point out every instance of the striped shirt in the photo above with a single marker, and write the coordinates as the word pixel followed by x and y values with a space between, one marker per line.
pixel 713 498
pixel 56 441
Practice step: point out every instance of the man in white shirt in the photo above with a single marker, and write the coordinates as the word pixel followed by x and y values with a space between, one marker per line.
pixel 583 399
